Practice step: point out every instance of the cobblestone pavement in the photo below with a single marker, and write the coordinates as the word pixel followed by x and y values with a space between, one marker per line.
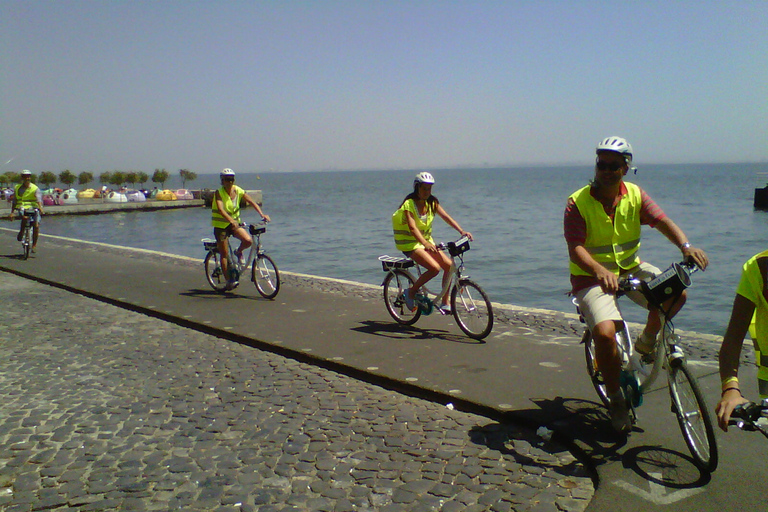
pixel 106 409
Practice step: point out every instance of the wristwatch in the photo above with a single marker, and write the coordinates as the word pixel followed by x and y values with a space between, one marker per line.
pixel 685 245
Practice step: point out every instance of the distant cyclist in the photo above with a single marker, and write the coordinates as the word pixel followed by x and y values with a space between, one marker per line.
pixel 749 313
pixel 412 225
pixel 225 217
pixel 602 228
pixel 28 195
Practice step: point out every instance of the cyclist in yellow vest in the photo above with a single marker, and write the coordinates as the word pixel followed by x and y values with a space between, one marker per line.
pixel 749 313
pixel 602 229
pixel 412 226
pixel 28 195
pixel 225 218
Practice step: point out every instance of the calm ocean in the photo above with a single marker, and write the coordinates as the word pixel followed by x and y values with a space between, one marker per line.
pixel 336 224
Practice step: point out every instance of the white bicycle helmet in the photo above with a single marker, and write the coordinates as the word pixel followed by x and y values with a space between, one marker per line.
pixel 617 144
pixel 26 172
pixel 226 172
pixel 424 177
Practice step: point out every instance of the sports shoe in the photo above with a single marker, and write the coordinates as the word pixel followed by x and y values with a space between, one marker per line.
pixel 445 309
pixel 620 414
pixel 409 300
pixel 231 285
pixel 645 346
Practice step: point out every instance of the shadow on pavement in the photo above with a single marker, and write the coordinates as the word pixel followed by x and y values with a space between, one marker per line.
pixel 395 330
pixel 665 467
pixel 587 425
pixel 208 294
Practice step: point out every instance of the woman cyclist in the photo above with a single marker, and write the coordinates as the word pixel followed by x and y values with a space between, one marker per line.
pixel 225 217
pixel 412 225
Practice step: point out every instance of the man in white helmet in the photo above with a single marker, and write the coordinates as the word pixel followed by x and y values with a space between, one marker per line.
pixel 602 229
pixel 28 195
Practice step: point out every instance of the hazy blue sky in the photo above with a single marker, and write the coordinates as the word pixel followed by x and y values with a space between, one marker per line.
pixel 305 85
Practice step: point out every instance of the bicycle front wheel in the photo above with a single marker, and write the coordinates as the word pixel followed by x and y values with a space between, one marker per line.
pixel 594 372
pixel 692 414
pixel 265 276
pixel 472 309
pixel 395 285
pixel 213 272
pixel 26 244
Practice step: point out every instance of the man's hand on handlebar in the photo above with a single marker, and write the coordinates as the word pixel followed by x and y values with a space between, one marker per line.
pixel 729 401
pixel 697 256
pixel 609 281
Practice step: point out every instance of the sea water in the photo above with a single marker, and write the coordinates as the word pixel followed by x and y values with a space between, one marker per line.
pixel 336 224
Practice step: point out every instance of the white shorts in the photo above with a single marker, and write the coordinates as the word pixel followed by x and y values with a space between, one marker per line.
pixel 597 306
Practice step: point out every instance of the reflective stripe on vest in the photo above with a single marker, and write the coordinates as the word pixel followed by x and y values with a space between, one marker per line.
pixel 231 207
pixel 28 199
pixel 405 240
pixel 613 244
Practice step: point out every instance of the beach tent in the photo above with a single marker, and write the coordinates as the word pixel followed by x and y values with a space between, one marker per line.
pixel 69 196
pixel 88 193
pixel 166 195
pixel 135 196
pixel 116 197
pixel 183 193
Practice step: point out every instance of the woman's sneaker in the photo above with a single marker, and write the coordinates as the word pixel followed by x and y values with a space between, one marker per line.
pixel 409 301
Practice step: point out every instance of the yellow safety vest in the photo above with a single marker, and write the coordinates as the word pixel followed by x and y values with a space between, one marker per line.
pixel 28 199
pixel 231 207
pixel 405 240
pixel 751 287
pixel 613 244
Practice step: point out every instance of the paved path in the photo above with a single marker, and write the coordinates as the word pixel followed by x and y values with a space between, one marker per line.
pixel 109 409
pixel 529 372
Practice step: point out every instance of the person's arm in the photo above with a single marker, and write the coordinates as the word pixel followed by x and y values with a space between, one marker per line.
pixel 449 220
pixel 256 206
pixel 39 198
pixel 730 352
pixel 675 235
pixel 13 203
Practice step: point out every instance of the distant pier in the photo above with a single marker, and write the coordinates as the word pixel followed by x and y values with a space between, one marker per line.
pixel 100 206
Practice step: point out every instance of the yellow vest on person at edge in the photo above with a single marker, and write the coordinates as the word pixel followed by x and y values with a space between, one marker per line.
pixel 28 199
pixel 751 287
pixel 404 239
pixel 613 244
pixel 231 207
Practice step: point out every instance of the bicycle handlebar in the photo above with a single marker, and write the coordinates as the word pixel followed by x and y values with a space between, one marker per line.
pixel 630 283
pixel 746 416
pixel 464 239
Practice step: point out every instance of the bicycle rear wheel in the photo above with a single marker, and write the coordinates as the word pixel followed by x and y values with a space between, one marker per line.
pixel 214 273
pixel 265 276
pixel 594 372
pixel 395 285
pixel 472 309
pixel 692 413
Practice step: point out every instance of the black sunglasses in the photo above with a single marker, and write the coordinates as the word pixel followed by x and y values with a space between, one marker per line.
pixel 605 166
pixel 228 179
